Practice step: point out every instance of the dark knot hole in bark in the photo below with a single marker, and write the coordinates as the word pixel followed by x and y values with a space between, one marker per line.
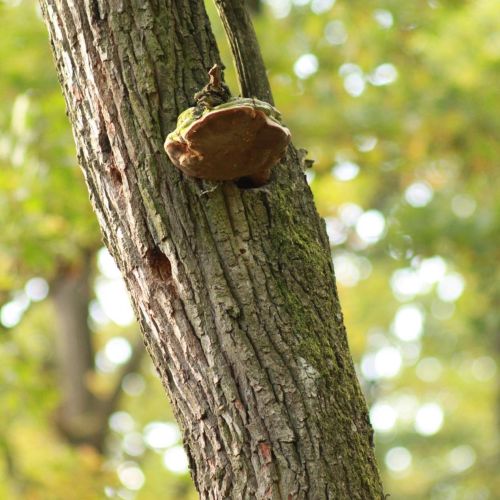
pixel 116 176
pixel 159 264
pixel 105 146
pixel 104 143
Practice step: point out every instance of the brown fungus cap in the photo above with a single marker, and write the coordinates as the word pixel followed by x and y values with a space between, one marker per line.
pixel 241 138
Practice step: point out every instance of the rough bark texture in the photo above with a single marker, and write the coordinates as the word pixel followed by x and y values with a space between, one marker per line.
pixel 234 289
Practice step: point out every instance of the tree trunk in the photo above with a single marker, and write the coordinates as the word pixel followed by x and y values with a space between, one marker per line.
pixel 234 289
pixel 70 293
pixel 82 418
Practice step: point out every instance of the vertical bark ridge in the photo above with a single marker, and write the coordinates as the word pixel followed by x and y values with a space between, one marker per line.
pixel 234 289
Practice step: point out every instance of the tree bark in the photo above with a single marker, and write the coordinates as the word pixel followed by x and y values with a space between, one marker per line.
pixel 234 289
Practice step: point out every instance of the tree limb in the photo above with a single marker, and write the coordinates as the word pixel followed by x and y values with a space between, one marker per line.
pixel 252 75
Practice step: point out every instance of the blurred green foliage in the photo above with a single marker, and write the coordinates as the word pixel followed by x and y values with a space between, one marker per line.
pixel 45 215
pixel 397 103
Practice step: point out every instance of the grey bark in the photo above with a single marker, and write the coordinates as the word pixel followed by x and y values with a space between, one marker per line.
pixel 234 289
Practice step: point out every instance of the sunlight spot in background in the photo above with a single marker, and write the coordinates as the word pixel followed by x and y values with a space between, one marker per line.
pixel 306 65
pixel 279 8
pixel 463 206
pixel 114 300
pixel 12 3
pixel 36 289
pixel 103 363
pixel 351 268
pixel 175 460
pixel 384 18
pixel 20 110
pixel 398 459
pixel 451 287
pixel 345 170
pixel 365 143
pixel 125 494
pixel 159 435
pixel 133 384
pixel 12 312
pixel 429 369
pixel 433 269
pixel 383 417
pixel 346 271
pixel 419 194
pixel 484 368
pixel 405 283
pixel 107 265
pixel 408 323
pixel 97 313
pixel 5 146
pixel 17 155
pixel 385 363
pixel 335 33
pixel 111 293
pixel 385 74
pixel 133 444
pixel 406 406
pixel 429 419
pixel 354 80
pixel 376 338
pixel 388 362
pixel 370 226
pixel 354 84
pixel 461 458
pixel 408 282
pixel 121 422
pixel 131 476
pixel 350 213
pixel 320 6
pixel 118 350
pixel 109 491
pixel 348 69
pixel 337 233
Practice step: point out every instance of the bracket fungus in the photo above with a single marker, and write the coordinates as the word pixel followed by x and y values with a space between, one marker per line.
pixel 223 139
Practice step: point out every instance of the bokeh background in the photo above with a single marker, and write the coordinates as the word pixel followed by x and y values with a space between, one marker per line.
pixel 397 102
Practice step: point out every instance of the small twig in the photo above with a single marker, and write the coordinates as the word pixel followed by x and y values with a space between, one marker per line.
pixel 211 190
